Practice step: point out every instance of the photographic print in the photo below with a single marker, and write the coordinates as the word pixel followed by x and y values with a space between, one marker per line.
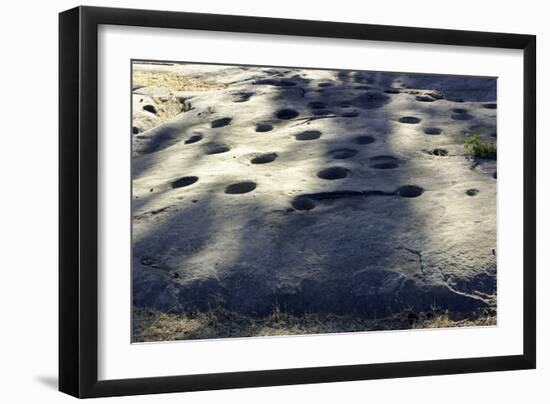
pixel 275 201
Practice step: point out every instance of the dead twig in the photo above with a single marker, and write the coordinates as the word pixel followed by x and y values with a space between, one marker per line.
pixel 308 119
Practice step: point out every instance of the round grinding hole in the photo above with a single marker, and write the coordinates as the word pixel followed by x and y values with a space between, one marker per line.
pixel 308 135
pixel 385 165
pixel 350 114
pixel 286 83
pixel 287 113
pixel 460 114
pixel 184 182
pixel 432 131
pixel 317 105
pixel 409 191
pixel 135 130
pixel 276 82
pixel 383 157
pixel 194 138
pixel 240 187
pixel 384 162
pixel 333 173
pixel 342 153
pixel 409 119
pixel 216 148
pixel 424 98
pixel 472 192
pixel 490 106
pixel 440 152
pixel 365 139
pixel 150 108
pixel 264 127
pixel 461 117
pixel 321 112
pixel 264 158
pixel 218 123
pixel 371 100
pixel 435 95
pixel 242 96
pixel 302 203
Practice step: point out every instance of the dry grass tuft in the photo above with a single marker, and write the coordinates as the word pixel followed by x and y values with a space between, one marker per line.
pixel 150 325
pixel 172 81
pixel 168 106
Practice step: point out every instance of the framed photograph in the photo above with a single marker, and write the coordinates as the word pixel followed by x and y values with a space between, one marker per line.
pixel 251 201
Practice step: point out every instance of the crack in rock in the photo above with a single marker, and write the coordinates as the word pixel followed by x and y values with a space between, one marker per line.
pixel 418 253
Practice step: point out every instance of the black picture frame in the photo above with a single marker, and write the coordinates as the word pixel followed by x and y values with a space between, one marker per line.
pixel 78 201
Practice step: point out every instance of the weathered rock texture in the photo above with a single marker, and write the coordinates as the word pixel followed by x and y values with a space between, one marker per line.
pixel 317 191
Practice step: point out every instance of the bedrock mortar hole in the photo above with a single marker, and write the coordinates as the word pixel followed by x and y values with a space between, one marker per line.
pixel 184 182
pixel 287 113
pixel 409 191
pixel 308 135
pixel 333 173
pixel 264 158
pixel 240 187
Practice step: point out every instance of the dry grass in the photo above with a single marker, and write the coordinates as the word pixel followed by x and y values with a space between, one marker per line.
pixel 150 325
pixel 172 81
pixel 171 105
pixel 443 321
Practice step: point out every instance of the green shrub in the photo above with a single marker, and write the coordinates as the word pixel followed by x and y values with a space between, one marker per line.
pixel 477 148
